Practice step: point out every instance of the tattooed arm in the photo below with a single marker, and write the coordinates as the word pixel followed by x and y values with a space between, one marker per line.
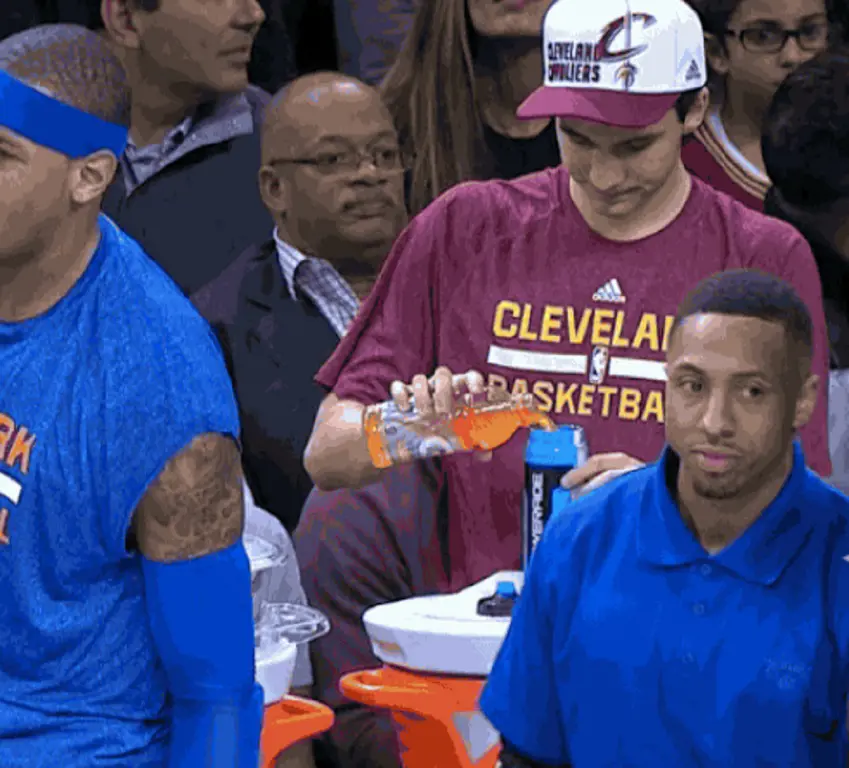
pixel 197 581
pixel 195 506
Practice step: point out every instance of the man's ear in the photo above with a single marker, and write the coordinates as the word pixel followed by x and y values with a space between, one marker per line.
pixel 696 116
pixel 273 190
pixel 807 400
pixel 119 21
pixel 91 176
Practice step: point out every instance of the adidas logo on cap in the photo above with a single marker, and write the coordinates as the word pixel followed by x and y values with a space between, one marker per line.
pixel 693 72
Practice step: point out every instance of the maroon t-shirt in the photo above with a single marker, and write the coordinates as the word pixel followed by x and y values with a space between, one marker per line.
pixel 507 278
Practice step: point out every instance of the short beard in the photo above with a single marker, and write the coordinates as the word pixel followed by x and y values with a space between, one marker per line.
pixel 721 492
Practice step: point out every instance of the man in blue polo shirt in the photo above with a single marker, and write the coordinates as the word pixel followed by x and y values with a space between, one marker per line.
pixel 694 612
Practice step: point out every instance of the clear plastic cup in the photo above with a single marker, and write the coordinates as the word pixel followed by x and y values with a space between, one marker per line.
pixel 263 555
pixel 280 629
pixel 279 622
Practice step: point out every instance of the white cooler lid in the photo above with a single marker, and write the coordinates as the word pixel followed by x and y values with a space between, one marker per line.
pixel 442 634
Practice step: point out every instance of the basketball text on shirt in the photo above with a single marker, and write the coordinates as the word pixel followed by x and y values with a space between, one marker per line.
pixel 611 334
pixel 16 444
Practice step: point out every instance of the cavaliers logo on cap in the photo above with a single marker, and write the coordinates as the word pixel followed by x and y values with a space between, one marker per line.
pixel 611 32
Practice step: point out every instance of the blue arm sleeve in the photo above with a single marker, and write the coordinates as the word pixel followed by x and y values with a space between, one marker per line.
pixel 201 616
pixel 520 697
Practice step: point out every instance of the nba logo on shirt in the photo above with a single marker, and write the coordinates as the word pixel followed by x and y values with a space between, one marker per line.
pixel 598 365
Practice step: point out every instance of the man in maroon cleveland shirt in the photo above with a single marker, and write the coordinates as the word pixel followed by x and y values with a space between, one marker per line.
pixel 527 281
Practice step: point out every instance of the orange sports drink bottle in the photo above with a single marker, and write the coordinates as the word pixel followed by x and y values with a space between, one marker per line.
pixel 396 437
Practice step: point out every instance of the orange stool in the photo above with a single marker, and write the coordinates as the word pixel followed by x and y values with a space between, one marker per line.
pixel 288 721
pixel 436 716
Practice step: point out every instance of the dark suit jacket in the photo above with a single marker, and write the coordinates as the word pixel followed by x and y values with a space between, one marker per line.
pixel 274 346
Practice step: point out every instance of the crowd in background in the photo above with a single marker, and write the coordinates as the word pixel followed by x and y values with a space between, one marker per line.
pixel 278 148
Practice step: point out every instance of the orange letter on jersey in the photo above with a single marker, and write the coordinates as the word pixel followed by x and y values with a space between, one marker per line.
pixel 7 430
pixel 21 449
pixel 4 526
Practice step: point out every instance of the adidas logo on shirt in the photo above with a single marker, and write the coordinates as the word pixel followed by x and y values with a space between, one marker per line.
pixel 610 291
pixel 693 72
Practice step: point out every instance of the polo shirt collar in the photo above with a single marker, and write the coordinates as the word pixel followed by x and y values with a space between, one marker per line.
pixel 759 555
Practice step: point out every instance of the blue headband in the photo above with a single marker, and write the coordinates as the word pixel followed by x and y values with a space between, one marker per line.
pixel 52 124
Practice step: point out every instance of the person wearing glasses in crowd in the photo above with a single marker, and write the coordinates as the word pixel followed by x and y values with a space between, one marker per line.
pixel 332 180
pixel 751 46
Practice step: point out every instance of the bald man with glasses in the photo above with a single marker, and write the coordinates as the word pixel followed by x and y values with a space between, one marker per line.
pixel 333 181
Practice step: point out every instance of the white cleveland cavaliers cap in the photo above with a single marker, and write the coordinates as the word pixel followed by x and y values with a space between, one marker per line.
pixel 617 62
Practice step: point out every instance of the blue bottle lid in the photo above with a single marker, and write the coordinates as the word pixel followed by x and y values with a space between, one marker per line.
pixel 564 447
pixel 506 589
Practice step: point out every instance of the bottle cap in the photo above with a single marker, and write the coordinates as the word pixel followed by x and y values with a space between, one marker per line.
pixel 564 447
pixel 506 589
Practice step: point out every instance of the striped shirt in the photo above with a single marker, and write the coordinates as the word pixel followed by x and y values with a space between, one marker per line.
pixel 321 283
pixel 711 134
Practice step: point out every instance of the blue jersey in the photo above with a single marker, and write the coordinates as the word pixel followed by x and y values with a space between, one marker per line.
pixel 98 393
pixel 632 646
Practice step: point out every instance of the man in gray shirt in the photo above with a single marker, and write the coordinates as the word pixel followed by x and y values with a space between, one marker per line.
pixel 186 187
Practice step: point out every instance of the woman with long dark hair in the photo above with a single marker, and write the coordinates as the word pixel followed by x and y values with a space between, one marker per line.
pixel 464 68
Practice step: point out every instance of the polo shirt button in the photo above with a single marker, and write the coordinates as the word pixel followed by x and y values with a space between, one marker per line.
pixel 706 570
pixel 698 609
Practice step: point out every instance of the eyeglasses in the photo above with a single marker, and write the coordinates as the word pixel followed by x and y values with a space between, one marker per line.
pixel 772 39
pixel 386 159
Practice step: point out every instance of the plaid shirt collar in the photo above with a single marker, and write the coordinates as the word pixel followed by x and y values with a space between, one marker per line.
pixel 318 280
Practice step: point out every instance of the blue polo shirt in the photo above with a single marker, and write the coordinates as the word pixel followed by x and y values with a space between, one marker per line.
pixel 632 647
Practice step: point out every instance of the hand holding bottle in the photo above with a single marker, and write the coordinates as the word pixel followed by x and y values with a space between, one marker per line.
pixel 445 414
pixel 440 395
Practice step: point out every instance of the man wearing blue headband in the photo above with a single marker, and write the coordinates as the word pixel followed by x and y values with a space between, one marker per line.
pixel 125 615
